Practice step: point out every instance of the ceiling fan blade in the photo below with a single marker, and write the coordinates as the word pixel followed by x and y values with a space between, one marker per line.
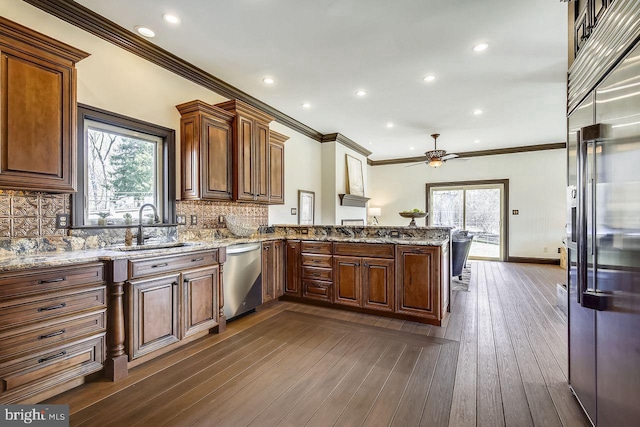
pixel 450 156
pixel 415 164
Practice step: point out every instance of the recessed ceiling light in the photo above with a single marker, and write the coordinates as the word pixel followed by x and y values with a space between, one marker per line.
pixel 361 92
pixel 480 47
pixel 477 112
pixel 171 19
pixel 429 78
pixel 268 81
pixel 390 125
pixel 144 31
pixel 306 105
pixel 476 141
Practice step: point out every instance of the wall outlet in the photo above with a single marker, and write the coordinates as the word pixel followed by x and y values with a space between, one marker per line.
pixel 194 219
pixel 559 250
pixel 220 219
pixel 62 221
pixel 294 211
pixel 181 219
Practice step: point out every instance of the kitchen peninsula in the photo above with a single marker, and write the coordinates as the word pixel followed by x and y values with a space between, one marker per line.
pixel 114 309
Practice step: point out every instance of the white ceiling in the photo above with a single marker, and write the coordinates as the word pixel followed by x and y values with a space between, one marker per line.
pixel 322 51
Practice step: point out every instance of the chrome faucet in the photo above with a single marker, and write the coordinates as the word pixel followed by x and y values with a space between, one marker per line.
pixel 140 237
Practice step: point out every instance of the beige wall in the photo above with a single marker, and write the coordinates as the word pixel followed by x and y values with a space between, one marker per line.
pixel 536 188
pixel 118 81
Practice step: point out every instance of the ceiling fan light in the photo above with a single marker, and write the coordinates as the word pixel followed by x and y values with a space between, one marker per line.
pixel 434 163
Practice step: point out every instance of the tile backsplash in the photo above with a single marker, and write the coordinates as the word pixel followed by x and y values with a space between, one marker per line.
pixel 28 219
pixel 25 214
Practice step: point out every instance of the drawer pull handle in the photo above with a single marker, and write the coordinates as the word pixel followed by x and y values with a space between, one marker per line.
pixel 59 279
pixel 52 334
pixel 164 264
pixel 53 307
pixel 197 259
pixel 55 356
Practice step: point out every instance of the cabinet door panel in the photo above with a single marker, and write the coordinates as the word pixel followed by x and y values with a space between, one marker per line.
pixel 276 174
pixel 200 300
pixel 377 283
pixel 268 269
pixel 189 158
pixel 153 314
pixel 293 284
pixel 261 162
pixel 37 150
pixel 347 281
pixel 217 160
pixel 244 161
pixel 279 266
pixel 417 280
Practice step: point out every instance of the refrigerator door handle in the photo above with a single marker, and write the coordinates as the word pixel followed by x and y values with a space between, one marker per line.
pixel 593 215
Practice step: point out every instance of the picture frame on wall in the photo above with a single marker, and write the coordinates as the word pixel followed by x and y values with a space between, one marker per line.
pixel 306 207
pixel 355 178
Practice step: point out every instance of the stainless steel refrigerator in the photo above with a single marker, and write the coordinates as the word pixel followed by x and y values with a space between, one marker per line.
pixel 603 237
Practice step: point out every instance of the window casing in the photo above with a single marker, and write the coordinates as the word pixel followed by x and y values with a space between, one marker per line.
pixel 123 163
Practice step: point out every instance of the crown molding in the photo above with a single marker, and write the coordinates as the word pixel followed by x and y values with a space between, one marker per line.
pixel 101 27
pixel 341 139
pixel 468 154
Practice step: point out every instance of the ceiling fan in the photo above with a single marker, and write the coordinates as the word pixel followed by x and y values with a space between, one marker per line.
pixel 435 157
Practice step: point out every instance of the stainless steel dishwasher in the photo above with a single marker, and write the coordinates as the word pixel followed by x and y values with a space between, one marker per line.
pixel 242 279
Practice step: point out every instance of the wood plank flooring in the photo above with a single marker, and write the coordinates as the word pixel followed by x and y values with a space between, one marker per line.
pixel 499 360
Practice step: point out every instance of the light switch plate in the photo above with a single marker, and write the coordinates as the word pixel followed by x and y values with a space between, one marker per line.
pixel 194 219
pixel 181 219
pixel 294 211
pixel 515 212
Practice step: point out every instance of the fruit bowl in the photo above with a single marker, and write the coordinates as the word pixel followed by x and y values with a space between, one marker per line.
pixel 413 216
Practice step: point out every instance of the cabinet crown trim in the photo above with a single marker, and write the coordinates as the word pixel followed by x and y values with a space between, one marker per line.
pixel 277 137
pixel 15 31
pixel 236 106
pixel 198 106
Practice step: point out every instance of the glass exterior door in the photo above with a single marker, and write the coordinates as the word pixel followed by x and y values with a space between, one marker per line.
pixel 476 208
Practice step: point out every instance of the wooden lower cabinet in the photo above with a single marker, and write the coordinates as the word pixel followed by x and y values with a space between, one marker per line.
pixel 378 284
pixel 347 281
pixel 317 290
pixel 418 280
pixel 52 330
pixel 199 300
pixel 293 280
pixel 272 270
pixel 154 312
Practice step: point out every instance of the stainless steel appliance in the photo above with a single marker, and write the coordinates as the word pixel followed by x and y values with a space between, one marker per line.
pixel 242 279
pixel 603 237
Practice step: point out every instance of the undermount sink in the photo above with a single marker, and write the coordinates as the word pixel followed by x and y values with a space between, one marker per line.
pixel 155 246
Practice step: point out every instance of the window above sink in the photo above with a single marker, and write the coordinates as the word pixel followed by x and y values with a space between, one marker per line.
pixel 123 163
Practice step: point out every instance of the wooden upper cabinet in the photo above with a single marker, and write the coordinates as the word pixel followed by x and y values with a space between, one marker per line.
pixel 206 147
pixel 37 110
pixel 251 151
pixel 276 167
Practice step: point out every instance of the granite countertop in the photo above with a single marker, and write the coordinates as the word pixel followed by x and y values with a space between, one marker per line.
pixel 53 259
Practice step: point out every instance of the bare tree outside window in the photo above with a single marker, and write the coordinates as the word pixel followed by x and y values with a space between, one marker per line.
pixel 122 173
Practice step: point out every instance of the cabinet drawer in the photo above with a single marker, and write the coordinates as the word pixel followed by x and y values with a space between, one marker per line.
pixel 317 273
pixel 316 260
pixel 157 265
pixel 316 290
pixel 375 250
pixel 38 336
pixel 39 371
pixel 60 304
pixel 50 279
pixel 316 247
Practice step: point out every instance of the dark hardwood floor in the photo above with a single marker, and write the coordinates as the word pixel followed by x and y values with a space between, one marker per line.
pixel 499 360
